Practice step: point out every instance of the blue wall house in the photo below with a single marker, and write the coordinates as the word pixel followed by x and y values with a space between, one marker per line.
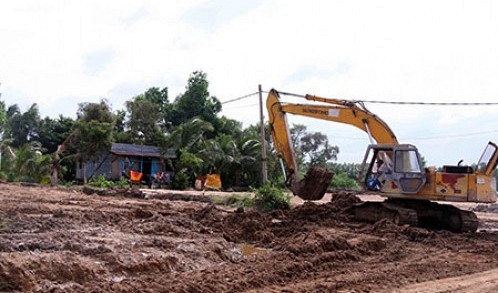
pixel 122 158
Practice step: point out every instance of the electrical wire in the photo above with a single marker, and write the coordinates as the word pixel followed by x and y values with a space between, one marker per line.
pixel 431 103
pixel 241 106
pixel 454 135
pixel 386 102
pixel 408 103
pixel 240 98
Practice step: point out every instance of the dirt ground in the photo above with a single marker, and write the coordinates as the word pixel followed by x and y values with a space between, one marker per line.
pixel 56 240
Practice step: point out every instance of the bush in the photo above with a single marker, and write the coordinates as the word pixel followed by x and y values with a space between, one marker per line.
pixel 100 182
pixel 180 181
pixel 269 197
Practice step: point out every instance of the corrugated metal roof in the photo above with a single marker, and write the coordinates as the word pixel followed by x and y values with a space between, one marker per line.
pixel 139 150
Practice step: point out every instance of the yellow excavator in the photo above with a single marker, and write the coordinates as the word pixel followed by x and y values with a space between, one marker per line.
pixel 410 189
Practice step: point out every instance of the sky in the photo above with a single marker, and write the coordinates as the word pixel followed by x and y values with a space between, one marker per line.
pixel 59 53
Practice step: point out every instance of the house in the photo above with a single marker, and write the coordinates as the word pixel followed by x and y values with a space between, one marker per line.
pixel 122 158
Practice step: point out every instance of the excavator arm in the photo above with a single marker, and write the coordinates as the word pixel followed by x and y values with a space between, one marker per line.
pixel 341 111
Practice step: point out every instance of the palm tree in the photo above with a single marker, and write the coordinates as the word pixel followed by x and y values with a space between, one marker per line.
pixel 29 164
pixel 233 159
pixel 188 134
pixel 187 139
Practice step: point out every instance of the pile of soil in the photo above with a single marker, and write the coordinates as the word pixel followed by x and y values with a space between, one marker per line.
pixel 66 241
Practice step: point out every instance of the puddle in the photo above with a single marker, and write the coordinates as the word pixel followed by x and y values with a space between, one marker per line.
pixel 248 249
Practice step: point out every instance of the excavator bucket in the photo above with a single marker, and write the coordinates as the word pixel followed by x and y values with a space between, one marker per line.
pixel 314 185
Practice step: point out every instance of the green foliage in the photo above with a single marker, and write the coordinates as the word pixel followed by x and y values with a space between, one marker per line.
pixel 159 97
pixel 351 169
pixel 53 132
pixel 24 126
pixel 196 102
pixel 26 164
pixel 269 197
pixel 143 123
pixel 188 161
pixel 93 137
pixel 93 130
pixel 102 182
pixel 341 180
pixel 180 181
pixel 311 148
pixel 95 112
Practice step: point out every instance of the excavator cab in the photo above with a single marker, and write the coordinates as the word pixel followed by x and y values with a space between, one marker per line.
pixel 401 172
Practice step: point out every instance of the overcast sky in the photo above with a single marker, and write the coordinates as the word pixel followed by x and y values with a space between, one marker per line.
pixel 59 53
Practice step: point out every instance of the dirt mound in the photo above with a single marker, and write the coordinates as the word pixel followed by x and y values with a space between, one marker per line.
pixel 251 227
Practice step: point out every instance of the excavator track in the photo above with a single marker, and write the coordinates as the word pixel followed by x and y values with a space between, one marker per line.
pixel 421 213
pixel 375 211
pixel 457 220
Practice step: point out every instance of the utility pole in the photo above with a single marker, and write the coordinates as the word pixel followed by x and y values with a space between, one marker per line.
pixel 264 166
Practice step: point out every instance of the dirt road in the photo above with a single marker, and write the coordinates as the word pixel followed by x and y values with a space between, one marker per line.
pixel 54 240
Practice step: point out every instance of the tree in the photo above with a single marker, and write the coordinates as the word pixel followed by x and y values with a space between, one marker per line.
pixel 319 151
pixel 142 124
pixel 28 164
pixel 52 132
pixel 93 131
pixel 23 126
pixel 187 140
pixel 159 98
pixel 230 127
pixel 119 132
pixel 297 132
pixel 196 102
pixel 311 148
pixel 188 135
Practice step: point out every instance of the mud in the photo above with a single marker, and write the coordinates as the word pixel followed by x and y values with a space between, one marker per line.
pixel 55 240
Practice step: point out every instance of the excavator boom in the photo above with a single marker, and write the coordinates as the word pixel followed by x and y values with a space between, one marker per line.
pixel 317 179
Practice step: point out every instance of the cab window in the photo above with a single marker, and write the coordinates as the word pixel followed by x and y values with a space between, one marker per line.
pixel 406 161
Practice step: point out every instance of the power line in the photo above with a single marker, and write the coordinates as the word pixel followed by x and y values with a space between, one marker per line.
pixel 430 103
pixel 241 106
pixel 408 103
pixel 455 135
pixel 240 98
